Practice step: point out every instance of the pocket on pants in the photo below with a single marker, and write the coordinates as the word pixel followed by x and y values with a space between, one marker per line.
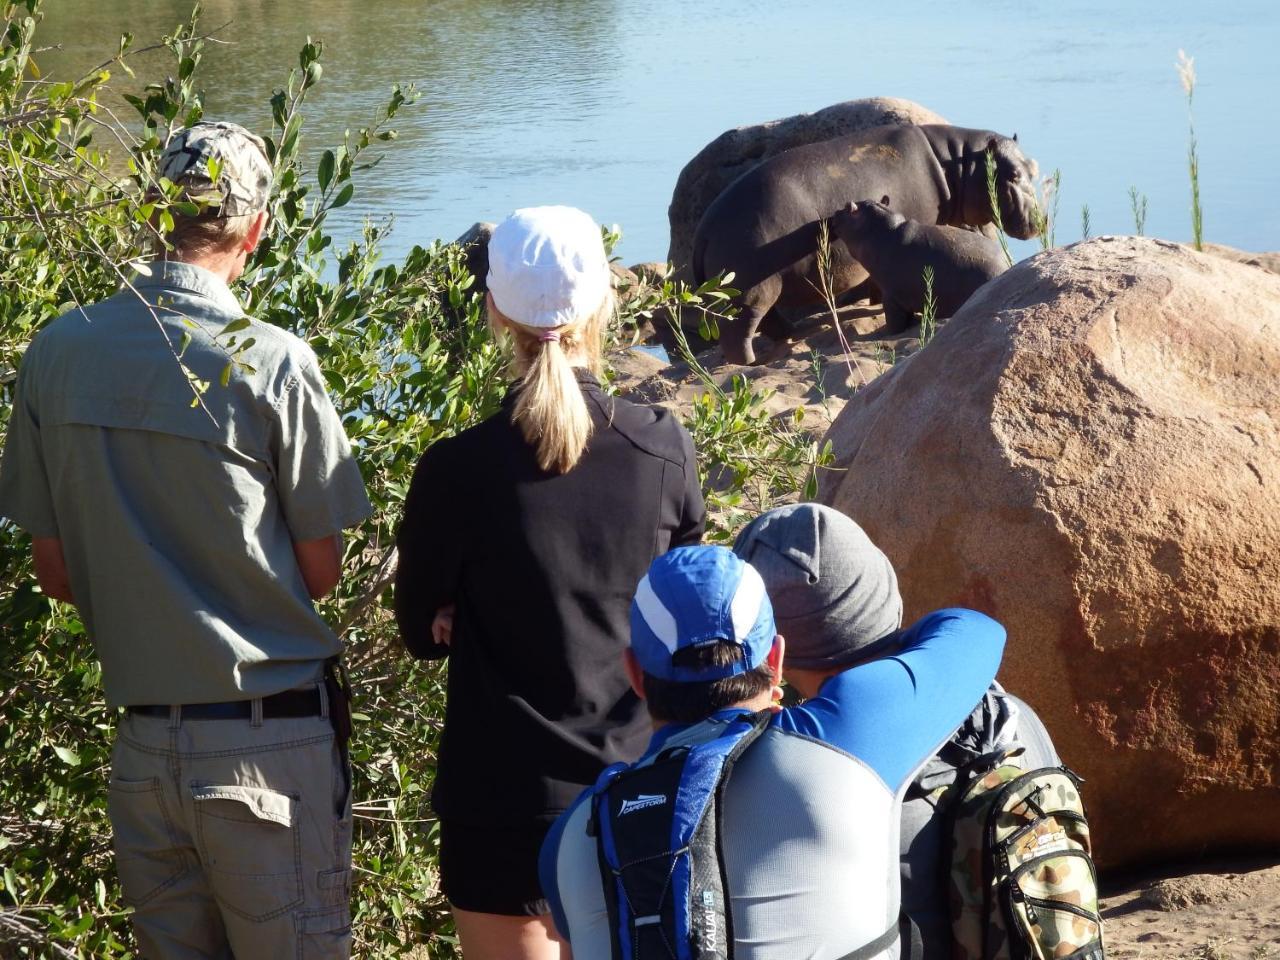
pixel 249 843
pixel 325 935
pixel 147 860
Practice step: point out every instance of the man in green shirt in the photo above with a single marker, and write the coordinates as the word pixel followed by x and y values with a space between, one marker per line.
pixel 193 538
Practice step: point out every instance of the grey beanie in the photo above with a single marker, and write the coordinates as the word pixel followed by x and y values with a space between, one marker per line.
pixel 834 592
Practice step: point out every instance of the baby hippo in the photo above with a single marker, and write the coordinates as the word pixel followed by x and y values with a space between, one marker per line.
pixel 895 251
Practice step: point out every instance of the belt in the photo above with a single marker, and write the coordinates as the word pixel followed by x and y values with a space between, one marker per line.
pixel 290 703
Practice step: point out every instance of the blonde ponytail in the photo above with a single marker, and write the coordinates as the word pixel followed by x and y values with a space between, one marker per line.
pixel 550 410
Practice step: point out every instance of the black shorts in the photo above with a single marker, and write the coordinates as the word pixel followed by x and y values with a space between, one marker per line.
pixel 493 869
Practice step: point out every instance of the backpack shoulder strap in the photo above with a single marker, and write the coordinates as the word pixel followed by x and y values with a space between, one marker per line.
pixel 657 840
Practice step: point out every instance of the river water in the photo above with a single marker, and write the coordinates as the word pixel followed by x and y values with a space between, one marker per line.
pixel 599 103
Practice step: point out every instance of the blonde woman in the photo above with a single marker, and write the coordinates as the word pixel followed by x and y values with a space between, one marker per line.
pixel 522 542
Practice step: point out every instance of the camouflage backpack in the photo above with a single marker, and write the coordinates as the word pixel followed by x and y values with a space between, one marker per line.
pixel 1023 886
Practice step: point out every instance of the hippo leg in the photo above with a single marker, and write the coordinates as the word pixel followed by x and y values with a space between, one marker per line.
pixel 754 305
pixel 897 318
pixel 777 327
pixel 866 290
pixel 738 334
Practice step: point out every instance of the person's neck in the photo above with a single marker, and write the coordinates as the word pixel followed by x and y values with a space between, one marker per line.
pixel 226 266
pixel 754 705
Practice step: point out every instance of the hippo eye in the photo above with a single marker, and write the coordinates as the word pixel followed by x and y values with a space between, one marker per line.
pixel 1015 176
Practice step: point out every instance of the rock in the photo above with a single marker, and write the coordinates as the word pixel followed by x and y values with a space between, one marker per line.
pixel 476 243
pixel 736 151
pixel 1090 452
pixel 1178 893
pixel 623 277
pixel 1264 261
pixel 652 272
pixel 632 367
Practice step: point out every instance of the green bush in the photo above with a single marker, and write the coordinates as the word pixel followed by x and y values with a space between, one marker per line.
pixel 408 360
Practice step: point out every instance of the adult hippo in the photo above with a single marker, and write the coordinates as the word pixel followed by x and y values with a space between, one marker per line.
pixel 764 226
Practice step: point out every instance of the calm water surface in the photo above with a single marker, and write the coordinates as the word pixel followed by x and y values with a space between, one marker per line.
pixel 599 103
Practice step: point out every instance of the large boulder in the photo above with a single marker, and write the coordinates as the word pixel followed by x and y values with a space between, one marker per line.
pixel 1090 452
pixel 736 151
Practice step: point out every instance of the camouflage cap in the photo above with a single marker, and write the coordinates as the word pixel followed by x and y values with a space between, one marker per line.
pixel 244 174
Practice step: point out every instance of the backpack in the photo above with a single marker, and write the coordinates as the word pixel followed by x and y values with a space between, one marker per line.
pixel 657 830
pixel 1023 885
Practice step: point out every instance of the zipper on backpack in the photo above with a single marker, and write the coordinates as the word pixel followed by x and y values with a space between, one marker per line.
pixel 1061 905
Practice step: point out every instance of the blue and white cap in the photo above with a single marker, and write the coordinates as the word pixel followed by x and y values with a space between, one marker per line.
pixel 694 596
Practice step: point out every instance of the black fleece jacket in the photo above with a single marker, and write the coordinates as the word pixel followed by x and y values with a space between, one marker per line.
pixel 542 568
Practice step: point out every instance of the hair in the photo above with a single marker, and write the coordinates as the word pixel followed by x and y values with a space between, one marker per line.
pixel 671 701
pixel 550 409
pixel 206 233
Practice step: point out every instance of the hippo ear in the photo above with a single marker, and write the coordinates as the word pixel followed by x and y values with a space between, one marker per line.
pixel 884 201
pixel 1015 138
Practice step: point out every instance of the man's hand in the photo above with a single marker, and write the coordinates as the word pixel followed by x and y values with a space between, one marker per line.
pixel 442 625
pixel 51 568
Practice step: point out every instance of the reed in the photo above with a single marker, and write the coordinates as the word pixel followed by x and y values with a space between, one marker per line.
pixel 994 197
pixel 1187 74
pixel 1138 204
pixel 827 291
pixel 1047 208
pixel 929 313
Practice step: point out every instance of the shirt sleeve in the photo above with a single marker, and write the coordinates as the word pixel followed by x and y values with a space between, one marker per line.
pixel 318 481
pixel 693 519
pixel 893 713
pixel 25 496
pixel 430 549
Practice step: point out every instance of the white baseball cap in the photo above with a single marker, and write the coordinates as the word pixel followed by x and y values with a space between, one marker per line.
pixel 547 266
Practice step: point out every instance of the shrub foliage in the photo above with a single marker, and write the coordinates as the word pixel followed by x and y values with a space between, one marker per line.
pixel 407 358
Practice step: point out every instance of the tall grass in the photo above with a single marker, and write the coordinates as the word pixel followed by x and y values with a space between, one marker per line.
pixel 994 197
pixel 929 311
pixel 1046 212
pixel 826 289
pixel 1187 74
pixel 1138 204
pixel 1085 223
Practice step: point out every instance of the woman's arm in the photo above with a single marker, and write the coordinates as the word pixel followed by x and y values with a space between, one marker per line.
pixel 430 552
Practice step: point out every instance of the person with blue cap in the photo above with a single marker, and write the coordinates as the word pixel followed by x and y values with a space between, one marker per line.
pixel 806 827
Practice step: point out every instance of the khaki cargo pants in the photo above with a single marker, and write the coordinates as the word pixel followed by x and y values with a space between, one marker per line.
pixel 233 838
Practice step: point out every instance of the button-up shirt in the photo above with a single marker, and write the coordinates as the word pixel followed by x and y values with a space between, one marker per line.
pixel 178 519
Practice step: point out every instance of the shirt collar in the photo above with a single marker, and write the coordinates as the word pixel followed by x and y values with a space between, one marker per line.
pixel 175 274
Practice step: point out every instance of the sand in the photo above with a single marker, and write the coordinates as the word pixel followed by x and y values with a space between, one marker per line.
pixel 1229 910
